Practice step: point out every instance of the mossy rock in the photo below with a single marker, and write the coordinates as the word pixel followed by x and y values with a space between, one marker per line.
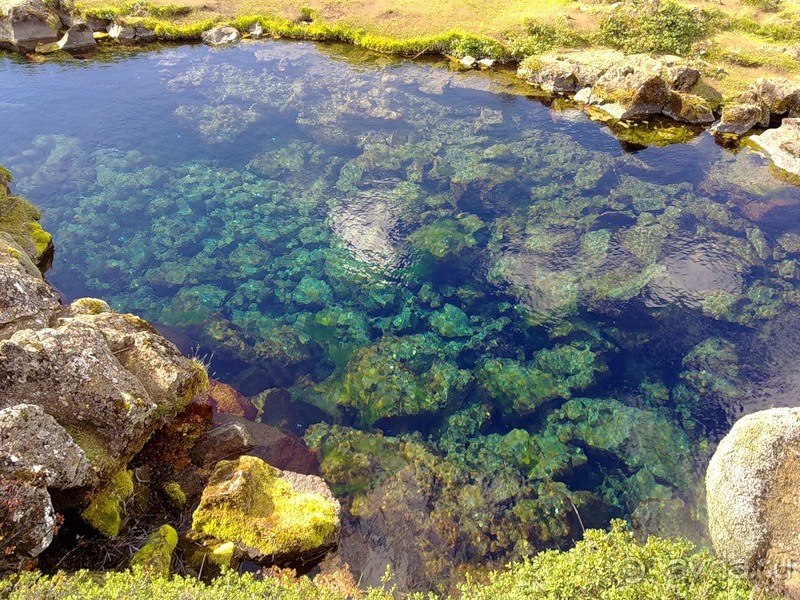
pixel 271 516
pixel 20 219
pixel 106 511
pixel 155 557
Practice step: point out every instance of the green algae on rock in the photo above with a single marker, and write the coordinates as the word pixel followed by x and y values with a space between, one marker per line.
pixel 269 515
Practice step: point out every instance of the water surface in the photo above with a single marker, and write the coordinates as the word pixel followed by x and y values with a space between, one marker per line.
pixel 508 326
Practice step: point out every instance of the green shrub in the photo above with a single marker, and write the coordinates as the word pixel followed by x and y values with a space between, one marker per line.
pixel 614 566
pixel 636 26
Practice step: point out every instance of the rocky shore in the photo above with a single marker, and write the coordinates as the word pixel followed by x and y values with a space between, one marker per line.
pixel 105 424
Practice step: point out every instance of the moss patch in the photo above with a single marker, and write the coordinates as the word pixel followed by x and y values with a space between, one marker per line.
pixel 155 556
pixel 106 511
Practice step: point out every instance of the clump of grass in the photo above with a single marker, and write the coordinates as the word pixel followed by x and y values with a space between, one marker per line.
pixel 139 8
pixel 641 26
pixel 538 37
pixel 767 5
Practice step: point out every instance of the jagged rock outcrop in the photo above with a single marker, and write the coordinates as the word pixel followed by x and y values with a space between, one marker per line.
pixel 622 86
pixel 250 510
pixel 751 487
pixel 782 145
pixel 764 99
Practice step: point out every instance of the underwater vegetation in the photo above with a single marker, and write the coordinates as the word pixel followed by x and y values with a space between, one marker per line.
pixel 514 330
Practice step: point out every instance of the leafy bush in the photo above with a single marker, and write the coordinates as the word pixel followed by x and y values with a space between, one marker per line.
pixel 636 26
pixel 614 566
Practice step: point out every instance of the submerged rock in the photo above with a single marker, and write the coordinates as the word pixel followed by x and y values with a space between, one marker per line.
pixel 782 145
pixel 270 516
pixel 219 36
pixel 751 489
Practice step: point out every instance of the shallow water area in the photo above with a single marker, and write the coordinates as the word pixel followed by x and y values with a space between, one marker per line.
pixel 494 324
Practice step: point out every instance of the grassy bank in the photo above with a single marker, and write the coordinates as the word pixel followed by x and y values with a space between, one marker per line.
pixel 740 39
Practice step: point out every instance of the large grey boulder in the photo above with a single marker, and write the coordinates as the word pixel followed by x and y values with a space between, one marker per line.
pixel 219 36
pixel 33 443
pixel 782 145
pixel 751 489
pixel 78 38
pixel 26 23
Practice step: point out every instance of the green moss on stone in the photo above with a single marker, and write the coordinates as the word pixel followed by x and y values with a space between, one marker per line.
pixel 106 511
pixel 155 557
pixel 248 503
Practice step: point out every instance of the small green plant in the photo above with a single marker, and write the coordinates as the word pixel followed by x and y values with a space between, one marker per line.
pixel 639 26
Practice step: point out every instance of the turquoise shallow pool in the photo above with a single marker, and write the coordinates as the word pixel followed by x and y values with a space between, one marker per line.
pixel 495 324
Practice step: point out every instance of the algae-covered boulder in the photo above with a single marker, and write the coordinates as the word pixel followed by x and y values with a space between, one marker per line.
pixel 751 490
pixel 270 516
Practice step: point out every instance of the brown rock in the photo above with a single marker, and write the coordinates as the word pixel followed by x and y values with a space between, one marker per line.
pixel 224 399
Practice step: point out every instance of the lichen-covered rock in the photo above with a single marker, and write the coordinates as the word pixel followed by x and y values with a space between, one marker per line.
pixel 27 521
pixel 32 442
pixel 155 557
pixel 109 379
pixel 778 96
pixel 782 145
pixel 26 23
pixel 219 36
pixel 270 515
pixel 26 300
pixel 751 491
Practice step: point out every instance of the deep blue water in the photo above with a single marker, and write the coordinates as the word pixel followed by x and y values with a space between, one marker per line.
pixel 431 254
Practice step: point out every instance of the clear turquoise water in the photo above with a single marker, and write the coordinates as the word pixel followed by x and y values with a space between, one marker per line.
pixel 551 325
